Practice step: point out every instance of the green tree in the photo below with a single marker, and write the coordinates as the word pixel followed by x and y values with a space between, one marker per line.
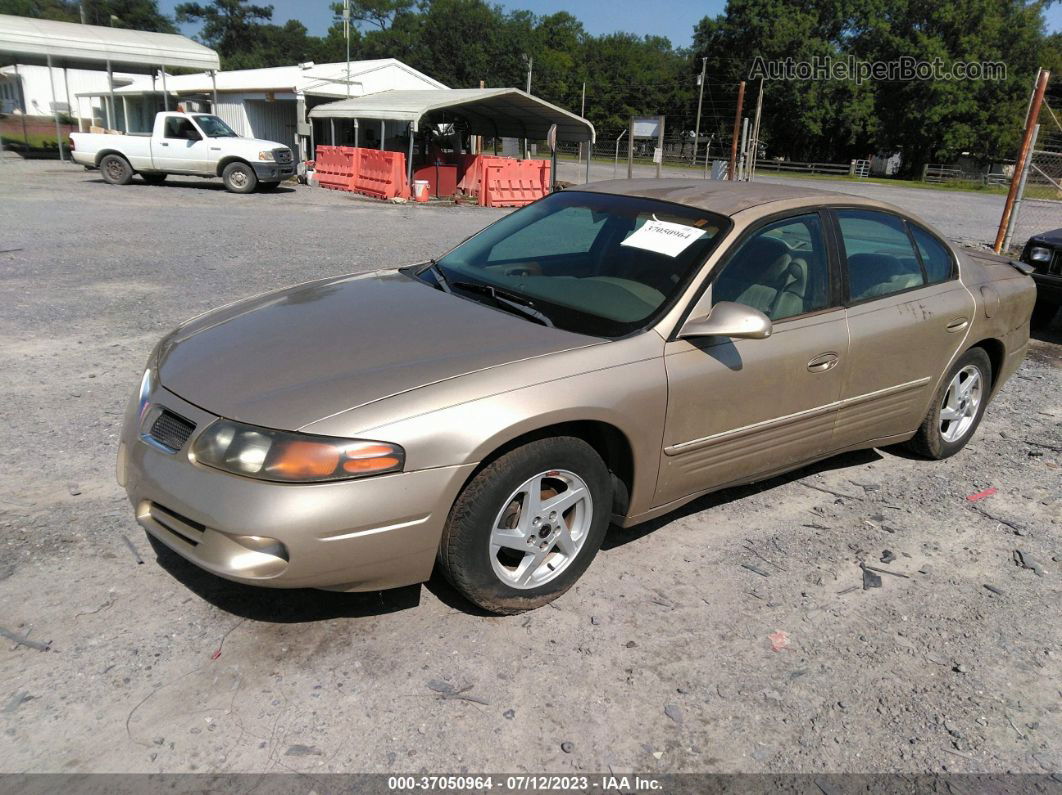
pixel 132 14
pixel 229 26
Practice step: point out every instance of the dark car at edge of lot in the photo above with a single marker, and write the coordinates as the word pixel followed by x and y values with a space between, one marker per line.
pixel 1044 253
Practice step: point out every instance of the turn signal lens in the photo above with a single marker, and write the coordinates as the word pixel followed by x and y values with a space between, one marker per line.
pixel 304 459
pixel 290 457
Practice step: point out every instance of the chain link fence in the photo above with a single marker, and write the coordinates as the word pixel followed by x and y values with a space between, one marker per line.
pixel 1040 208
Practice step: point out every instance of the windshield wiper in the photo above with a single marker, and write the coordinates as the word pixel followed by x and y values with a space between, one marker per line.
pixel 507 300
pixel 440 278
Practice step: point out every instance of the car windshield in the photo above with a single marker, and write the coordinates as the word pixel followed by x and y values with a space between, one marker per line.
pixel 592 263
pixel 213 127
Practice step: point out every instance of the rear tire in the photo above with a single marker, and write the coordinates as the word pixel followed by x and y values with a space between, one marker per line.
pixel 505 547
pixel 153 179
pixel 957 407
pixel 116 170
pixel 239 178
pixel 1042 315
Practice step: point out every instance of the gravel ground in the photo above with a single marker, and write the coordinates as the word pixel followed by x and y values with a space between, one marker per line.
pixel 732 636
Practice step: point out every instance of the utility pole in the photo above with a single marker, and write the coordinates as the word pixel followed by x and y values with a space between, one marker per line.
pixel 1023 155
pixel 751 159
pixel 582 113
pixel 530 63
pixel 700 99
pixel 737 131
pixel 346 35
pixel 81 8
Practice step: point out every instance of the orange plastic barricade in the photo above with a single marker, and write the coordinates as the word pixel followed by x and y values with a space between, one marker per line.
pixel 336 166
pixel 381 174
pixel 514 183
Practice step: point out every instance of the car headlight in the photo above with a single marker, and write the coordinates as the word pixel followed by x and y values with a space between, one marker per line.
pixel 147 386
pixel 1039 254
pixel 292 457
pixel 267 155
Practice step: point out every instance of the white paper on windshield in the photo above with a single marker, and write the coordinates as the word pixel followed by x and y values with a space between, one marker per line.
pixel 664 237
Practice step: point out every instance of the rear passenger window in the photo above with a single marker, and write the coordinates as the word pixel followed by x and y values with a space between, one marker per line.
pixel 935 255
pixel 880 258
pixel 781 270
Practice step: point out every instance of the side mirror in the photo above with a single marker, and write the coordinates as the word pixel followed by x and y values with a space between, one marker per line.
pixel 728 319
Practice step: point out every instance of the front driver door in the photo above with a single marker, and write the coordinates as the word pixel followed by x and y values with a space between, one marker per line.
pixel 742 408
pixel 183 148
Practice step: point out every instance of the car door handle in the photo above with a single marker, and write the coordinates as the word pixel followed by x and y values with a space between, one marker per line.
pixel 163 143
pixel 823 362
pixel 958 324
pixel 215 149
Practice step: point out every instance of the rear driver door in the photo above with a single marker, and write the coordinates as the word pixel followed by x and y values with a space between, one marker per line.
pixel 908 315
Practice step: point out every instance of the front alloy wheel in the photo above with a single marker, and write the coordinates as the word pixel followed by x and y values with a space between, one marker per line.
pixel 541 528
pixel 527 525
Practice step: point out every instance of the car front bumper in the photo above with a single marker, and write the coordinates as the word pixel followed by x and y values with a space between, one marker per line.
pixel 273 172
pixel 356 535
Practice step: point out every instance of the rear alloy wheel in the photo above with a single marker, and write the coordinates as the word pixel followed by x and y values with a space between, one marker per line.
pixel 116 170
pixel 528 525
pixel 957 408
pixel 239 178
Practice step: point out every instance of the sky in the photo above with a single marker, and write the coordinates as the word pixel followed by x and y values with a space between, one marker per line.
pixel 674 19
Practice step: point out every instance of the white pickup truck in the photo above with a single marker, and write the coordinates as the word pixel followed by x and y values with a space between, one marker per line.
pixel 195 144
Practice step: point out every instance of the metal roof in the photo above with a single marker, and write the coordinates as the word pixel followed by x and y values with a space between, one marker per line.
pixel 507 112
pixel 322 78
pixel 26 40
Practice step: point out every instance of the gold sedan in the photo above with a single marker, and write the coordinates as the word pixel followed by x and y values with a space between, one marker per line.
pixel 600 357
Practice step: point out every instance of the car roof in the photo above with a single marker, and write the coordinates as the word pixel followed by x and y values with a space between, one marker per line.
pixel 727 198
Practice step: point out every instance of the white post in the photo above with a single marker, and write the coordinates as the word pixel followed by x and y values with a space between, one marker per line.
pixel 125 112
pixel 55 113
pixel 165 91
pixel 110 90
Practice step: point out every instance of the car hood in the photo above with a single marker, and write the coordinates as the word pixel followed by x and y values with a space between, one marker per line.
pixel 286 359
pixel 1053 238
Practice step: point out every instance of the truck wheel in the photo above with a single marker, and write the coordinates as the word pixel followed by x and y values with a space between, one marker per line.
pixel 239 178
pixel 1042 315
pixel 116 170
pixel 527 526
pixel 153 179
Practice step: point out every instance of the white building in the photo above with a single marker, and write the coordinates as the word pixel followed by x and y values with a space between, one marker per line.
pixel 269 103
pixel 36 85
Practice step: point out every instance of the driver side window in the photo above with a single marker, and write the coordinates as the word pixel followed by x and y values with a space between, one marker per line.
pixel 181 129
pixel 781 270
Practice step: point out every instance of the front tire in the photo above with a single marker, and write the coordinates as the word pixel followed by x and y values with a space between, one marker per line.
pixel 116 170
pixel 239 178
pixel 527 526
pixel 957 407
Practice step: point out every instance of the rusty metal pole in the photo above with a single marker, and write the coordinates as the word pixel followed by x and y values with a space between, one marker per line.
pixel 1023 156
pixel 737 131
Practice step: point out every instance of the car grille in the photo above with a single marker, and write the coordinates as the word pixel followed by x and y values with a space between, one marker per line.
pixel 282 155
pixel 170 430
pixel 1055 266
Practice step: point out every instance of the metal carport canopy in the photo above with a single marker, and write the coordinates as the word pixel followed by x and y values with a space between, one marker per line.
pixel 28 40
pixel 506 112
